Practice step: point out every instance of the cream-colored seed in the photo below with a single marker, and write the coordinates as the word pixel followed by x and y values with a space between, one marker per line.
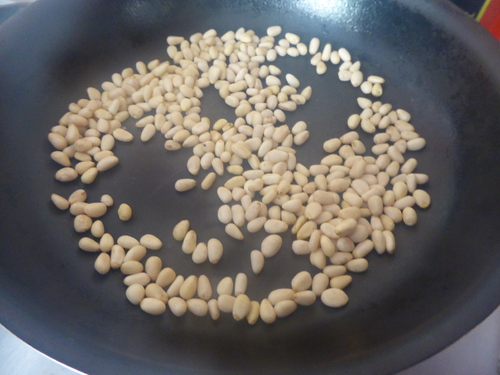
pixel 301 281
pixel 200 253
pixel 137 253
pixel 148 132
pixel 124 212
pixel 177 306
pixel 189 287
pixel 151 242
pixel 107 242
pixel 165 277
pixel 320 283
pixel 409 216
pixel 233 231
pixel 340 282
pixel 175 286
pixel 213 309
pixel 180 230
pixel 135 293
pixel 89 245
pixel 66 174
pixel 153 267
pixel 117 256
pixel 60 202
pixel 225 286
pixel 185 184
pixel 215 250
pixel 141 278
pixel 279 295
pixel 271 245
pixel 256 261
pixel 226 303
pixel 241 307
pixel 197 306
pixel 204 288
pixel 97 229
pixel 275 226
pixel 314 46
pixel 122 135
pixel 240 284
pixel 334 297
pixel 357 265
pixel 157 292
pixel 253 314
pixel 285 308
pixel 422 198
pixel 102 263
pixel 267 312
pixel 189 242
pixel 256 224
pixel 82 223
pixel 131 267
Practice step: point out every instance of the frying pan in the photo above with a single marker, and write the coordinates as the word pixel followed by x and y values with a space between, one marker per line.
pixel 443 279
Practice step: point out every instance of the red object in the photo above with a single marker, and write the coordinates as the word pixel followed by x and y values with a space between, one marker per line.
pixel 490 17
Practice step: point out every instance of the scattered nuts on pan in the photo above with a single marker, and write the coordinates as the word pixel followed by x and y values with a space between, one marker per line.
pixel 339 209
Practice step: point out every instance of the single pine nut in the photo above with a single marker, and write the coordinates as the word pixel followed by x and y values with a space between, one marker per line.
pixel 253 314
pixel 213 309
pixel 189 287
pixel 267 312
pixel 135 293
pixel 189 242
pixel 124 212
pixel 151 242
pixel 215 250
pixel 271 245
pixel 285 308
pixel 180 230
pixel 185 184
pixel 301 281
pixel 177 305
pixel 422 198
pixel 334 297
pixel 340 282
pixel 165 277
pixel 226 303
pixel 102 263
pixel 89 245
pixel 241 307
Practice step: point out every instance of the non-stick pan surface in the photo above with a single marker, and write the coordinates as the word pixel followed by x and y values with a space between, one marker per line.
pixel 443 279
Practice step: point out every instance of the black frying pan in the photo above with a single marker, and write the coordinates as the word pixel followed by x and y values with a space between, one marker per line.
pixel 442 281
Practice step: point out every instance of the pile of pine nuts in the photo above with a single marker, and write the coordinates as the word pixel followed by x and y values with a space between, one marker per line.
pixel 339 209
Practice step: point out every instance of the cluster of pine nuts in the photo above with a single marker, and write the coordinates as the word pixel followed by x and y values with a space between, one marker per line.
pixel 339 209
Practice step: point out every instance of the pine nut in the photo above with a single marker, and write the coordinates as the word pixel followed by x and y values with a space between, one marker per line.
pixel 165 277
pixel 153 267
pixel 422 198
pixel 340 282
pixel 180 230
pixel 177 305
pixel 301 281
pixel 185 184
pixel 334 297
pixel 271 245
pixel 285 308
pixel 135 293
pixel 60 202
pixel 124 212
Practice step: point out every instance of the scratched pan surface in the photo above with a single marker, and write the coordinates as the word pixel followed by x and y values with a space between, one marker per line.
pixel 443 279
